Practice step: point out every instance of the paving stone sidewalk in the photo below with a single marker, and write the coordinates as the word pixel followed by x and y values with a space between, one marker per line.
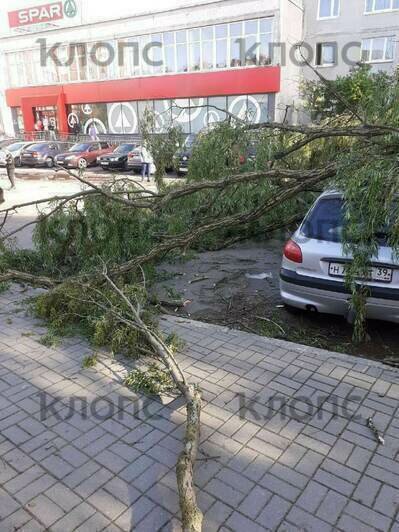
pixel 285 445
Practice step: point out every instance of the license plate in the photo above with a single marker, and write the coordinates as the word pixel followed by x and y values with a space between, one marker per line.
pixel 104 163
pixel 182 169
pixel 377 273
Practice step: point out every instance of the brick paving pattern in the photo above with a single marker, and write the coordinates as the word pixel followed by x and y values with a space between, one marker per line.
pixel 282 447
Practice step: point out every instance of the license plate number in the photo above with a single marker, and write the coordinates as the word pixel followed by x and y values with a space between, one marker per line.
pixel 377 273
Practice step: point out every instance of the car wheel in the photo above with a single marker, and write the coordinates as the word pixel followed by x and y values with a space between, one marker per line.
pixel 49 162
pixel 82 163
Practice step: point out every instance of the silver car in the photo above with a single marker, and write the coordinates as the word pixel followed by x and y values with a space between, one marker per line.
pixel 15 149
pixel 313 267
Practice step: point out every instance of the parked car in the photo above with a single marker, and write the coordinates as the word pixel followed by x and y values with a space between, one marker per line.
pixel 118 158
pixel 15 149
pixel 183 156
pixel 83 154
pixel 313 266
pixel 135 161
pixel 42 153
pixel 6 142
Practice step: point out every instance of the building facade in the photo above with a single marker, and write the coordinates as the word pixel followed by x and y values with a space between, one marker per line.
pixel 341 33
pixel 192 62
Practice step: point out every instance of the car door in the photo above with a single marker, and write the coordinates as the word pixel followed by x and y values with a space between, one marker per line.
pixel 93 152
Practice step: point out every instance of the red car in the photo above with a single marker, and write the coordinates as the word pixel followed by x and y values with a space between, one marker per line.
pixel 83 154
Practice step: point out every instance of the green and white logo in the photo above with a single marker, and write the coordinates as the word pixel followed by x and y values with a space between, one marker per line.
pixel 70 8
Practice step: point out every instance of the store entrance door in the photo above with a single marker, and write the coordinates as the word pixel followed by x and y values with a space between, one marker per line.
pixel 45 119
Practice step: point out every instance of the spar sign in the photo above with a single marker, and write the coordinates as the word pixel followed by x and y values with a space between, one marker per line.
pixel 42 14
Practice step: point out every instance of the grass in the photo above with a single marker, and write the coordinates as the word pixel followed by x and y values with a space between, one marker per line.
pixel 50 339
pixel 89 361
pixel 4 286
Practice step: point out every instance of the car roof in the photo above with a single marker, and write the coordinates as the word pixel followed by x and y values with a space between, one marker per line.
pixel 333 193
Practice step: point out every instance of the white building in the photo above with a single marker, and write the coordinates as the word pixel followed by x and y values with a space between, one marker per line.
pixel 187 60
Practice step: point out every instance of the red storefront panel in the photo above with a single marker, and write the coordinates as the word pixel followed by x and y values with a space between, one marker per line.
pixel 187 85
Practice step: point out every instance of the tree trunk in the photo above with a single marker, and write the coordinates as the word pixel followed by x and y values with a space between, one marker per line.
pixel 191 514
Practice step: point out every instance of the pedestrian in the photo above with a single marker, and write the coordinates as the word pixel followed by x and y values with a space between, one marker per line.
pixel 51 129
pixel 10 166
pixel 146 165
pixel 39 128
pixel 45 127
pixel 76 131
pixel 93 132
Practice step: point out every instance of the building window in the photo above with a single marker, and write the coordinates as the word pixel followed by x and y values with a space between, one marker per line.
pixel 328 8
pixel 192 115
pixel 326 54
pixel 221 46
pixel 377 49
pixel 375 6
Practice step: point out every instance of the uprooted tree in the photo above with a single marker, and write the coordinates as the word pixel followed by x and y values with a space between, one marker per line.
pixel 105 241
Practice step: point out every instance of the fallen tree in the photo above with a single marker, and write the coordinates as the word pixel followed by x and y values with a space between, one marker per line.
pixel 130 228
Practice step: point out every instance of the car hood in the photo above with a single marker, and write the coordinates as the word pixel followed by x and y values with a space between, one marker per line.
pixel 111 154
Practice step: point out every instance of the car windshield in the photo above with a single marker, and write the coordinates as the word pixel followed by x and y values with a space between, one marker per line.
pixel 189 142
pixel 80 147
pixel 37 147
pixel 124 148
pixel 16 146
pixel 325 221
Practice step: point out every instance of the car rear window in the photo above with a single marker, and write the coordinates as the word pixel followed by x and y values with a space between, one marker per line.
pixel 325 221
pixel 15 147
pixel 124 148
pixel 80 147
pixel 37 147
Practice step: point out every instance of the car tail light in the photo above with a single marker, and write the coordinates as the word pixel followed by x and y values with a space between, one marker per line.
pixel 293 252
pixel 242 159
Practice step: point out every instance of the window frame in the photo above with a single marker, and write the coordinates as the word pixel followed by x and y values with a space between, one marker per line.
pixel 371 61
pixel 377 11
pixel 206 45
pixel 331 15
pixel 333 45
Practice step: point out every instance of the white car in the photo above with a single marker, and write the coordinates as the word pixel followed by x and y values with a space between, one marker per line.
pixel 15 149
pixel 313 267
